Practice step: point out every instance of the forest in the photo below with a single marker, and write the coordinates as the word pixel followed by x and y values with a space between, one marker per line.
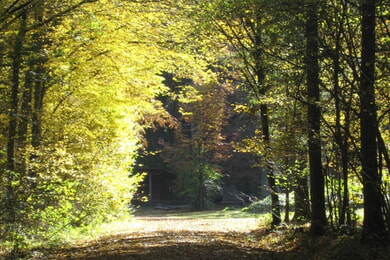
pixel 92 90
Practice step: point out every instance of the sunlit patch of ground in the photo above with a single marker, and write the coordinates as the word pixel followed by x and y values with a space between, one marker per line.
pixel 151 224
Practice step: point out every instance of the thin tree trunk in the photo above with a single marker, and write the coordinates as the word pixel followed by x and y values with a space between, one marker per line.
pixel 38 94
pixel 345 214
pixel 40 80
pixel 261 89
pixel 200 200
pixel 341 138
pixel 287 211
pixel 275 205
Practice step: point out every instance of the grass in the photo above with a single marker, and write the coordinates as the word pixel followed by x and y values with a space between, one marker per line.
pixel 227 212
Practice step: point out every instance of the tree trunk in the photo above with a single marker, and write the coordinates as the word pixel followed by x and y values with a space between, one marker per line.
pixel 318 217
pixel 341 137
pixel 373 224
pixel 260 90
pixel 10 210
pixel 38 94
pixel 200 199
pixel 345 214
pixel 37 91
pixel 287 211
pixel 25 108
pixel 301 198
pixel 275 205
pixel 40 80
pixel 11 201
pixel 25 119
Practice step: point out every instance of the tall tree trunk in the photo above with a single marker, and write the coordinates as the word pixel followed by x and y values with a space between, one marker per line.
pixel 318 217
pixel 340 136
pixel 261 92
pixel 275 205
pixel 38 94
pixel 373 224
pixel 40 80
pixel 10 210
pixel 23 124
pixel 38 89
pixel 11 201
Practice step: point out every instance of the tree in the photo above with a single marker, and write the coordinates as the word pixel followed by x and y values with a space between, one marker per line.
pixel 339 83
pixel 76 114
pixel 373 225
pixel 318 217
pixel 261 90
pixel 196 151
pixel 244 25
pixel 10 198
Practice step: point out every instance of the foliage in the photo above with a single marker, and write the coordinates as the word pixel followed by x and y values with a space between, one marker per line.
pixel 263 205
pixel 195 154
pixel 83 131
pixel 81 81
pixel 282 46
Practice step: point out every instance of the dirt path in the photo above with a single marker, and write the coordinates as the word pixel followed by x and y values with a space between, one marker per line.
pixel 175 238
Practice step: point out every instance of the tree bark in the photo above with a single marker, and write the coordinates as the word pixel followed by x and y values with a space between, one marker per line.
pixel 318 217
pixel 10 210
pixel 38 94
pixel 40 80
pixel 374 228
pixel 301 199
pixel 25 108
pixel 341 137
pixel 261 91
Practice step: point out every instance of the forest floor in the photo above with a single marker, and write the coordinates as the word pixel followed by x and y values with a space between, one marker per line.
pixel 164 235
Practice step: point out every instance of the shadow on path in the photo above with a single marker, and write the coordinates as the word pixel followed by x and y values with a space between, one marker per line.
pixel 169 246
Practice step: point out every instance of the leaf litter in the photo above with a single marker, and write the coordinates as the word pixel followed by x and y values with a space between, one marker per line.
pixel 172 238
pixel 178 238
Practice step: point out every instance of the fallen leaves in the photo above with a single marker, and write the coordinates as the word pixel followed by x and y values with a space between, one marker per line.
pixel 171 238
pixel 181 238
